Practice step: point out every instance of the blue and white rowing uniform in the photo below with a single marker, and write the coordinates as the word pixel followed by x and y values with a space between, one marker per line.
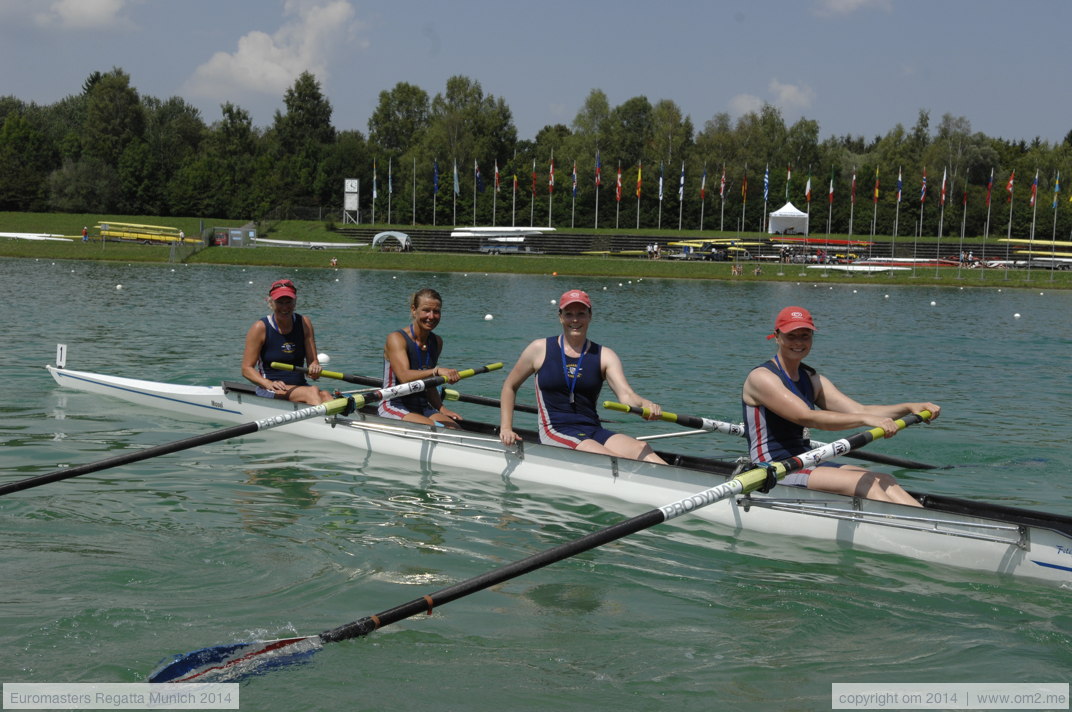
pixel 283 348
pixel 419 360
pixel 567 390
pixel 772 438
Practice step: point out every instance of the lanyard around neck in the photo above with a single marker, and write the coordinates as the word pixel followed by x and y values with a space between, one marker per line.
pixel 571 383
pixel 424 356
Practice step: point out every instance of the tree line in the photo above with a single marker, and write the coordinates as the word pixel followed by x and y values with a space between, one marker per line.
pixel 108 149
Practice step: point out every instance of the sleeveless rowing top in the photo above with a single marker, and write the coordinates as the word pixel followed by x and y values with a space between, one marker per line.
pixel 559 376
pixel 284 348
pixel 772 438
pixel 419 360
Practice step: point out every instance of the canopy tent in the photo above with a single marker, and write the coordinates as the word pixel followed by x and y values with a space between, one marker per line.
pixel 403 239
pixel 787 220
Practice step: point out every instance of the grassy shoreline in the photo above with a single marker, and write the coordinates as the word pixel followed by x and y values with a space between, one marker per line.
pixel 366 258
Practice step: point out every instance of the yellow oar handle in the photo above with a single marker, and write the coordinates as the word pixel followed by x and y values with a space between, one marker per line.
pixel 642 412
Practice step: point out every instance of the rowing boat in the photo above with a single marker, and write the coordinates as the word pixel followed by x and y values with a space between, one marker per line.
pixel 948 532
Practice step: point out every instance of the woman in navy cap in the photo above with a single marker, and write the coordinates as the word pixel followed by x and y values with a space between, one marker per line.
pixel 784 396
pixel 285 337
pixel 570 371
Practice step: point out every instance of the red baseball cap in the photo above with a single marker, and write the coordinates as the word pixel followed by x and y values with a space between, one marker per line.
pixel 282 288
pixel 574 296
pixel 792 318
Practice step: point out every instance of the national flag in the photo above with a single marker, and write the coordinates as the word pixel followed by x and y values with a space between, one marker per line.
pixel 788 179
pixel 900 184
pixel 703 184
pixel 515 183
pixel 660 181
pixel 807 190
pixel 852 195
pixel 435 176
pixel 941 195
pixel 639 172
pixel 497 185
pixel 374 180
pixel 766 182
pixel 479 178
pixel 923 189
pixel 599 169
pixel 1034 189
pixel 744 188
pixel 533 177
pixel 575 178
pixel 989 187
pixel 618 185
pixel 457 189
pixel 681 184
pixel 876 184
pixel 830 199
pixel 722 185
pixel 1056 189
pixel 390 187
pixel 1008 186
pixel 965 197
pixel 551 176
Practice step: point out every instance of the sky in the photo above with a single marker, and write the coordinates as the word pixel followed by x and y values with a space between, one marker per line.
pixel 857 67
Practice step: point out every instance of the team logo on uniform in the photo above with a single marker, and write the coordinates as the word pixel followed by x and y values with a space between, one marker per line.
pixel 289 347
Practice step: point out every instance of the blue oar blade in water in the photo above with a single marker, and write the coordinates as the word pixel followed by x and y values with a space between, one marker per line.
pixel 228 663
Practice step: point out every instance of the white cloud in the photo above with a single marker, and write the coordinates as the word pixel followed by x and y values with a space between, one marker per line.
pixel 269 64
pixel 846 7
pixel 82 14
pixel 745 103
pixel 791 96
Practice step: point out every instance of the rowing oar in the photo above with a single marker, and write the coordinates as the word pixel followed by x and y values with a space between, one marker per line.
pixel 238 660
pixel 448 393
pixel 693 421
pixel 332 407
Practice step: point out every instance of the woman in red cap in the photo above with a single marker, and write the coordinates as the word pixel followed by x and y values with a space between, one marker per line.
pixel 285 337
pixel 412 354
pixel 784 396
pixel 570 371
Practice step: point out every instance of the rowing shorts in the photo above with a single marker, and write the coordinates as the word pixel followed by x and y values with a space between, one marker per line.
pixel 800 477
pixel 572 435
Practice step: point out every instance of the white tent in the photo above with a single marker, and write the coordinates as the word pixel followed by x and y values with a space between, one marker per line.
pixel 787 220
pixel 403 239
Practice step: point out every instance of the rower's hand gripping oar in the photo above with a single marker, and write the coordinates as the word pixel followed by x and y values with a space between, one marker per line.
pixel 235 661
pixel 332 407
pixel 698 423
pixel 448 393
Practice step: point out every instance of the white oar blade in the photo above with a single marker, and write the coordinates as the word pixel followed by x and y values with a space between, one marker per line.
pixel 228 663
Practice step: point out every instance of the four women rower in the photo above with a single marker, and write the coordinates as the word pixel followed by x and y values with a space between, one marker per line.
pixel 570 371
pixel 285 337
pixel 412 354
pixel 784 396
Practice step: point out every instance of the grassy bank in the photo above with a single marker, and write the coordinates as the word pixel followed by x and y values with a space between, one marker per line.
pixel 366 258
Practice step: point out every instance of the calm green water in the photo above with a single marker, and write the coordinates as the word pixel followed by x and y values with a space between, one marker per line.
pixel 268 536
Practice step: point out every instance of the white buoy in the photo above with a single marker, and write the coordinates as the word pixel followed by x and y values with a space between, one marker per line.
pixel 554 302
pixel 885 296
pixel 118 286
pixel 1016 315
pixel 854 291
pixel 1041 293
pixel 934 304
pixel 488 317
pixel 323 358
pixel 251 281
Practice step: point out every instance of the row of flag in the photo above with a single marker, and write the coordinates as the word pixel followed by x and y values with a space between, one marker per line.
pixel 942 196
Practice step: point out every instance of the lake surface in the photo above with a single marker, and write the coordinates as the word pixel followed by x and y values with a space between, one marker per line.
pixel 269 536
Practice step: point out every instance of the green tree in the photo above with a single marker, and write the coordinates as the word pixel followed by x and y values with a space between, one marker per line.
pixel 114 117
pixel 26 158
pixel 400 119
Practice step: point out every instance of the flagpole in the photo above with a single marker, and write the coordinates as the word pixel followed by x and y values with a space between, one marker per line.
pixel 896 216
pixel 551 188
pixel 1009 236
pixel 963 222
pixel 413 190
pixel 476 168
pixel 618 197
pixel 986 230
pixel 390 188
pixel 1053 237
pixel 681 195
pixel 513 205
pixel 532 207
pixel 919 228
pixel 373 193
pixel 722 196
pixel 941 221
pixel 435 192
pixel 599 181
pixel 660 222
pixel 1034 212
pixel 640 169
pixel 495 197
pixel 852 201
pixel 703 197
